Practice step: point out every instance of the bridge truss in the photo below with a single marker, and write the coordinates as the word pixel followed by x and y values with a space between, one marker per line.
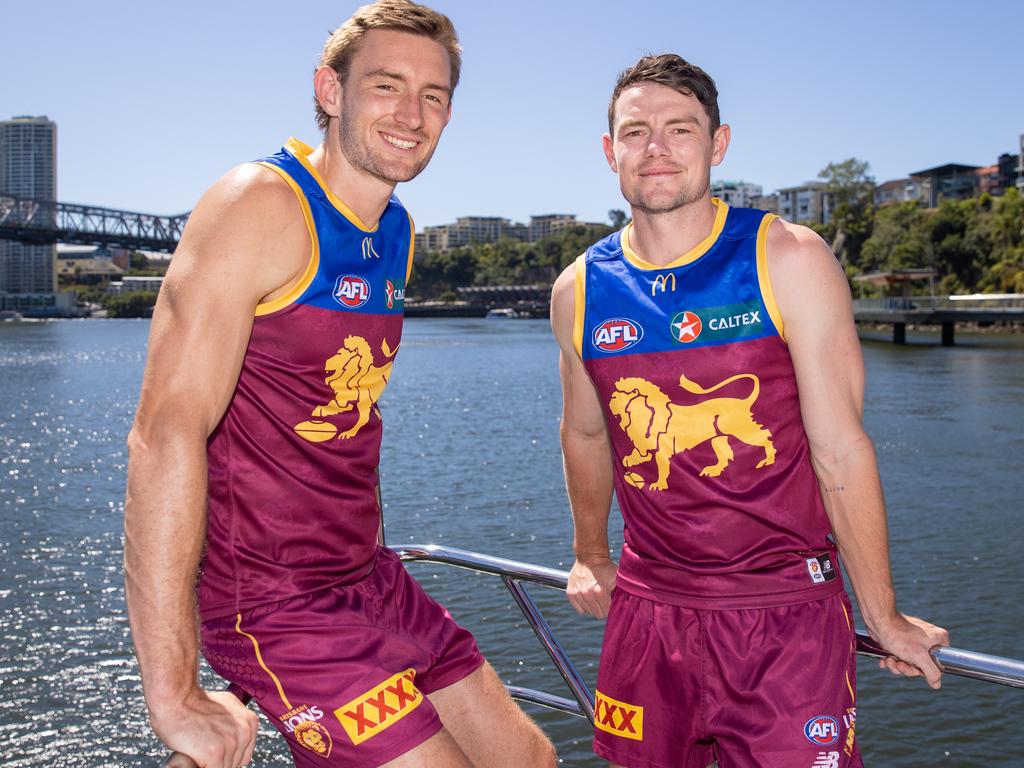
pixel 41 222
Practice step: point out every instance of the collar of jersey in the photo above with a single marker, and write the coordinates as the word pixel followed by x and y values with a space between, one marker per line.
pixel 301 151
pixel 721 211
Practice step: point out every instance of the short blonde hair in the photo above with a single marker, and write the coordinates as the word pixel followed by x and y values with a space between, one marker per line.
pixel 400 15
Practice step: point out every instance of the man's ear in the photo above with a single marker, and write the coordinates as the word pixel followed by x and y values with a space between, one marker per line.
pixel 327 87
pixel 720 143
pixel 609 152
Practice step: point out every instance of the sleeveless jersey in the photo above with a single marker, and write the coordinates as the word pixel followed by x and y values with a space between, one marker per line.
pixel 293 463
pixel 711 463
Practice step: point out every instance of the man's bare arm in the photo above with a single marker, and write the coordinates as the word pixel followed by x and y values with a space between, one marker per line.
pixel 587 458
pixel 245 239
pixel 817 313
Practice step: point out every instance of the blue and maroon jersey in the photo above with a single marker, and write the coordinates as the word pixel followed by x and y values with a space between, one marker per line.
pixel 712 466
pixel 293 463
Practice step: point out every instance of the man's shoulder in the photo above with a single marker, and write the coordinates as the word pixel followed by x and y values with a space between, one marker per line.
pixel 607 247
pixel 788 236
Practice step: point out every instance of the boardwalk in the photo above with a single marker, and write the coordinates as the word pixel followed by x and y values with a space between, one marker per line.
pixel 944 311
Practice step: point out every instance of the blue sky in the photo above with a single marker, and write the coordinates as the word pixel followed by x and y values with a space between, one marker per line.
pixel 155 100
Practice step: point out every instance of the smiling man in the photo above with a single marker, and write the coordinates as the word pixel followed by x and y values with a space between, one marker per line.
pixel 712 377
pixel 253 457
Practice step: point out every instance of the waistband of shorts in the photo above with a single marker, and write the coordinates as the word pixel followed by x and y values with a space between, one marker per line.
pixel 260 607
pixel 788 584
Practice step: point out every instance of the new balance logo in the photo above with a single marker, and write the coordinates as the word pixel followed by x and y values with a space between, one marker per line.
pixel 367 715
pixel 826 760
pixel 619 718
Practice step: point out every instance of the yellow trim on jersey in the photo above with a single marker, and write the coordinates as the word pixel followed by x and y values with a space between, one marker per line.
pixel 301 152
pixel 412 247
pixel 259 658
pixel 579 303
pixel 763 278
pixel 849 626
pixel 312 265
pixel 721 211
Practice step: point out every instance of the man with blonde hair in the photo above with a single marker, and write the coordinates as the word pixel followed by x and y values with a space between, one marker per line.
pixel 712 376
pixel 253 456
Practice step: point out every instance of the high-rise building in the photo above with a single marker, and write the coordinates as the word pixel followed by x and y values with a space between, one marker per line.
pixel 28 168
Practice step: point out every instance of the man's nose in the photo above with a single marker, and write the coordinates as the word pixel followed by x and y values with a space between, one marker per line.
pixel 410 111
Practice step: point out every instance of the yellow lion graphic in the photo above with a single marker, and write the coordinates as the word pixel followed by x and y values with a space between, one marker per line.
pixel 356 382
pixel 315 737
pixel 655 425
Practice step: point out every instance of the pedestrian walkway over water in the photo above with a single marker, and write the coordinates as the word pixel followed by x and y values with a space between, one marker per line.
pixel 944 311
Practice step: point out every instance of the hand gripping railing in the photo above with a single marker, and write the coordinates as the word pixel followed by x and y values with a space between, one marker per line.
pixel 954 661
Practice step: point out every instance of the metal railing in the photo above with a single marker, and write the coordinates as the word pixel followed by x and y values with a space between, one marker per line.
pixel 955 661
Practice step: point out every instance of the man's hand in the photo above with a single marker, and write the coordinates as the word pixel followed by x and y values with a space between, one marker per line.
pixel 590 586
pixel 213 728
pixel 910 641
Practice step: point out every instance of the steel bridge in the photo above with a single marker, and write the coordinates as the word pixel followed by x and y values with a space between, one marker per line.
pixel 38 222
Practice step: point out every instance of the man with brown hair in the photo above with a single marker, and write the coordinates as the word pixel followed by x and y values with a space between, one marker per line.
pixel 712 377
pixel 286 294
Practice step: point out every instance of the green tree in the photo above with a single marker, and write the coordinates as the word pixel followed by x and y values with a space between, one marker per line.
pixel 618 218
pixel 851 191
pixel 134 304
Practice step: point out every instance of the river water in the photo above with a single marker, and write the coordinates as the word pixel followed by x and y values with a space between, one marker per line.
pixel 471 459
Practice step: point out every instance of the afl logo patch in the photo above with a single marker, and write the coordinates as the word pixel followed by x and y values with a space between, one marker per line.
pixel 685 327
pixel 822 730
pixel 617 334
pixel 351 291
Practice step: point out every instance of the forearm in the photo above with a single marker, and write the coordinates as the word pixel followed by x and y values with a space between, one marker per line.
pixel 164 534
pixel 588 480
pixel 852 492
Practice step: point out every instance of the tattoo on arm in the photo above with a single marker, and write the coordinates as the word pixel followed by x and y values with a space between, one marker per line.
pixel 834 488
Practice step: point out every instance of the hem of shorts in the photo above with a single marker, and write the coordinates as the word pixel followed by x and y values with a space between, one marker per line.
pixel 628 761
pixel 740 603
pixel 454 676
pixel 224 610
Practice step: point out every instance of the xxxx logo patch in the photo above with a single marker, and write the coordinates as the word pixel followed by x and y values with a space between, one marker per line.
pixel 619 718
pixel 367 715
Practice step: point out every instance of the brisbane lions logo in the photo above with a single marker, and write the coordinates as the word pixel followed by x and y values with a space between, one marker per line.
pixel 659 428
pixel 356 382
pixel 314 737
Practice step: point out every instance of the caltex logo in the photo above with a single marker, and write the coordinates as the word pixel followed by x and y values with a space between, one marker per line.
pixel 393 294
pixel 823 730
pixel 351 291
pixel 685 327
pixel 617 334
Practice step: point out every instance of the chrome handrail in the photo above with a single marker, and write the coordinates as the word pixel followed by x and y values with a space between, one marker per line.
pixel 955 661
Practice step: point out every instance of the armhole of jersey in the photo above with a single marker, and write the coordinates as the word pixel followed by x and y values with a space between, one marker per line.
pixel 579 303
pixel 300 287
pixel 412 247
pixel 763 278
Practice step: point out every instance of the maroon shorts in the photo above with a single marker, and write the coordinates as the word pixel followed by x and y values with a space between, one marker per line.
pixel 758 688
pixel 343 672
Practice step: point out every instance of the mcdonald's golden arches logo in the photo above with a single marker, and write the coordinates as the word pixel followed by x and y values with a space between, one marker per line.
pixel 661 283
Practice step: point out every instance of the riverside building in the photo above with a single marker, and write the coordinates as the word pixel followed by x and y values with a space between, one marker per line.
pixel 28 168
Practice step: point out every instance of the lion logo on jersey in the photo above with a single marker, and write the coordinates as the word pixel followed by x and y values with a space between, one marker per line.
pixel 659 428
pixel 357 383
pixel 314 737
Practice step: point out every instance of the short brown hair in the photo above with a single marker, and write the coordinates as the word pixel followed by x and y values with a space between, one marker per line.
pixel 400 15
pixel 675 72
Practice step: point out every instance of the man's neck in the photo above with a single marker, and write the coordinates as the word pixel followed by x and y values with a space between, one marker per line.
pixel 661 238
pixel 365 195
